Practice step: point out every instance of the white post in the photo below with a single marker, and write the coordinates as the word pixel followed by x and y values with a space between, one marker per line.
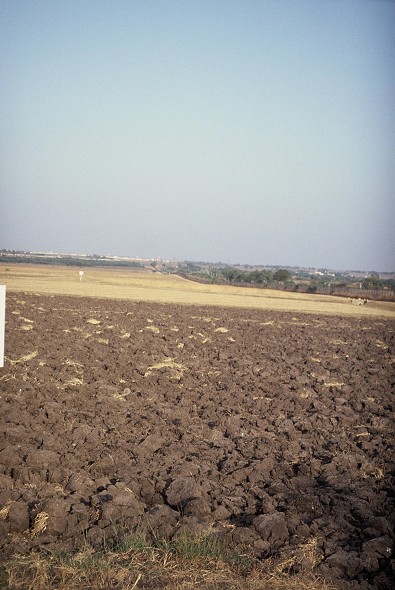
pixel 2 323
pixel 81 273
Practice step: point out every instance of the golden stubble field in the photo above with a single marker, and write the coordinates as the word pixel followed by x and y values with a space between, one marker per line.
pixel 144 285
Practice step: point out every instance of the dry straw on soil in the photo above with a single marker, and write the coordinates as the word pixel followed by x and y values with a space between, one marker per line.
pixel 24 358
pixel 176 369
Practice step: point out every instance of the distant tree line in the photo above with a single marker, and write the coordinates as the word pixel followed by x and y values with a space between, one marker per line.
pixel 257 277
pixel 236 275
pixel 371 287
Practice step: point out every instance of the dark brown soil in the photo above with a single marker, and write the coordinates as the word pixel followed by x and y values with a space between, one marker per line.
pixel 271 429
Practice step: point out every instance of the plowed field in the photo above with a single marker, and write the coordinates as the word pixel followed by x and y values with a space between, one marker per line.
pixel 269 428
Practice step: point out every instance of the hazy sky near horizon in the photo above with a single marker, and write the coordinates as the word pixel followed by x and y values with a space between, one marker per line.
pixel 242 131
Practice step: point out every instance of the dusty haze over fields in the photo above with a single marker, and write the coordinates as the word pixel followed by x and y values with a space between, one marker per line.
pixel 246 131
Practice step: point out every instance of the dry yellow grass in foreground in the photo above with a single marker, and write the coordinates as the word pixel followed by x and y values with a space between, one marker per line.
pixel 182 565
pixel 143 285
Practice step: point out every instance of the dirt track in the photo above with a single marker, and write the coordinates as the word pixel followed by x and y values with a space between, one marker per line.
pixel 270 428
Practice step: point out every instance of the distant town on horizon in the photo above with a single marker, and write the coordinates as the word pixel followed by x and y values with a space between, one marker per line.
pixel 26 256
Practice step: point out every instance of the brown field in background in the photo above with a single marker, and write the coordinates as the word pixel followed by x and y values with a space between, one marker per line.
pixel 144 285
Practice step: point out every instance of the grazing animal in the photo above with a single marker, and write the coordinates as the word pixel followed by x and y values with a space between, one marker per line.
pixel 358 301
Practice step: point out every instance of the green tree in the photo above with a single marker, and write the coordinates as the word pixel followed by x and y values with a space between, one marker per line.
pixel 372 282
pixel 281 275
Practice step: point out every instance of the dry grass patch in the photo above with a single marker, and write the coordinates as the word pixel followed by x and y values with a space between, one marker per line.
pixel 74 364
pixel 79 378
pixel 7 377
pixel 5 510
pixel 185 564
pixel 153 329
pixel 75 382
pixel 23 359
pixel 39 525
pixel 304 393
pixel 122 397
pixel 27 324
pixel 176 369
pixel 381 344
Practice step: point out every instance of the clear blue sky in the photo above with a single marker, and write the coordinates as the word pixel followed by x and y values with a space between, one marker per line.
pixel 242 131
